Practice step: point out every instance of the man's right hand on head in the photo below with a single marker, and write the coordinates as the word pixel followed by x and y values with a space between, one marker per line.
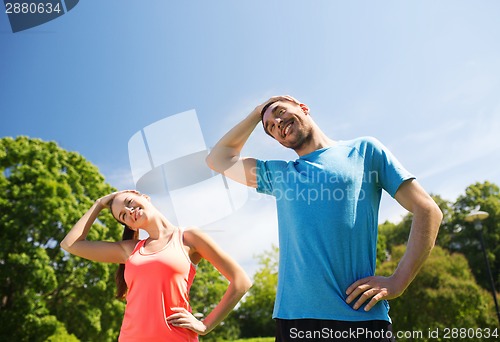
pixel 259 108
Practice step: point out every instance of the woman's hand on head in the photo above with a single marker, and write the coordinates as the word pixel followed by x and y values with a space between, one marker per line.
pixel 106 201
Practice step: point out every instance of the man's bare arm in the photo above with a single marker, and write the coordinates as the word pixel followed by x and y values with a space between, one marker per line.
pixel 425 225
pixel 225 156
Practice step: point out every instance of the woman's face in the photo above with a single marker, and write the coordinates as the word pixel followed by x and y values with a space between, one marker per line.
pixel 129 208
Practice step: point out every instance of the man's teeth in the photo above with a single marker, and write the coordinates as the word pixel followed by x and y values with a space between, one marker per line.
pixel 287 129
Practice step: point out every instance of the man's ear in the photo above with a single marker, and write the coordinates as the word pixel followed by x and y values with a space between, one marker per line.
pixel 304 108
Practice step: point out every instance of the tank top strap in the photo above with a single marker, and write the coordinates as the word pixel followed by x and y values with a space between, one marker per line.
pixel 138 245
pixel 180 235
pixel 180 243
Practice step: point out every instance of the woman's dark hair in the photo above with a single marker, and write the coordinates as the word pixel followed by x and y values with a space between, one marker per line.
pixel 121 285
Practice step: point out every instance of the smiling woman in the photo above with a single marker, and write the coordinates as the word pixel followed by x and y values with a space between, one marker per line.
pixel 156 273
pixel 128 206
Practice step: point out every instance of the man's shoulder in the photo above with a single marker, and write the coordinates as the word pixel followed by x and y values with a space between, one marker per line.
pixel 363 145
pixel 273 164
pixel 360 141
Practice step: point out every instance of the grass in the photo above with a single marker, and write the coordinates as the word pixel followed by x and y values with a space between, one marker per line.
pixel 257 339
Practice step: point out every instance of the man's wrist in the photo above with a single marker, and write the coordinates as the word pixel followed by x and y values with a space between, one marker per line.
pixel 401 279
pixel 256 115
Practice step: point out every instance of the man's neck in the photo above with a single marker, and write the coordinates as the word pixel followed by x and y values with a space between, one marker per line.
pixel 318 141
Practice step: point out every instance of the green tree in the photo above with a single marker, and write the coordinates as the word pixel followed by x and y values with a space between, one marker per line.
pixel 44 292
pixel 465 239
pixel 256 311
pixel 443 294
pixel 394 234
pixel 206 292
pixel 445 230
pixel 386 240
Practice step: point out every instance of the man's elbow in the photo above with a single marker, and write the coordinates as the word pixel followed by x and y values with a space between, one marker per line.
pixel 219 162
pixel 436 213
pixel 211 162
pixel 429 208
pixel 439 214
pixel 435 217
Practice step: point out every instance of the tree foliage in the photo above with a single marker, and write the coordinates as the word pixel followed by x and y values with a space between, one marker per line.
pixel 457 235
pixel 395 234
pixel 207 290
pixel 44 190
pixel 463 238
pixel 256 311
pixel 443 295
pixel 47 295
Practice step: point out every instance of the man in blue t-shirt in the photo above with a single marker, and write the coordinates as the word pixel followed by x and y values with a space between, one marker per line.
pixel 328 202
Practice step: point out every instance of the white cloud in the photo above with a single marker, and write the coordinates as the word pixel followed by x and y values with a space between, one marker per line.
pixel 121 179
pixel 248 232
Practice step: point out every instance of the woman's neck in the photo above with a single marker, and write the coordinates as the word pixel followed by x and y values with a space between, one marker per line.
pixel 160 228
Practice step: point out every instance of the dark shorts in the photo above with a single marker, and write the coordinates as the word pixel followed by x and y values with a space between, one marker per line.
pixel 293 330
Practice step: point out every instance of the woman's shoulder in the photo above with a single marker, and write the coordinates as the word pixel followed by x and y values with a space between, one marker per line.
pixel 130 245
pixel 195 237
pixel 190 233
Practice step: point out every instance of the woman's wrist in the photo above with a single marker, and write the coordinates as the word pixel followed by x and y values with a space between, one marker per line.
pixel 204 328
pixel 99 204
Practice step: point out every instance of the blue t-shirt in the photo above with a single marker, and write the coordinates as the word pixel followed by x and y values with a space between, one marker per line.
pixel 327 203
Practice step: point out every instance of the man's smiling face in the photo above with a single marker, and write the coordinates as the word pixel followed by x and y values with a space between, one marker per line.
pixel 287 122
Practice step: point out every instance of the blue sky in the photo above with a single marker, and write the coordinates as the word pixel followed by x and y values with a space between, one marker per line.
pixel 423 77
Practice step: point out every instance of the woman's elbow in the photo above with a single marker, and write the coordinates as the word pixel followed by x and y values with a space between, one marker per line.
pixel 248 284
pixel 64 245
pixel 242 284
pixel 68 245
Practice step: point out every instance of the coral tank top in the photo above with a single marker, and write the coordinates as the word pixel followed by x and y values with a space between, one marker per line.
pixel 156 283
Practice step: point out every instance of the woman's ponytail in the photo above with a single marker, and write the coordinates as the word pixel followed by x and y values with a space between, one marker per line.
pixel 121 285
